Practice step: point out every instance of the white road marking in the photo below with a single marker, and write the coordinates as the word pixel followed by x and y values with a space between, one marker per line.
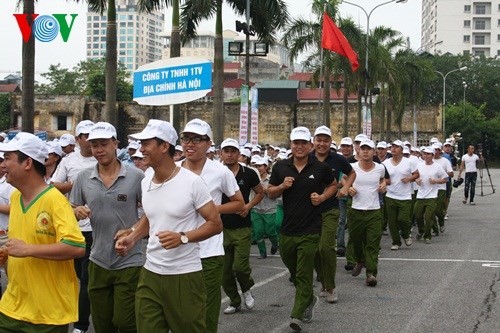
pixel 440 260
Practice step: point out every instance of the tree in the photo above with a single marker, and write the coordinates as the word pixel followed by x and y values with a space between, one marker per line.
pixel 5 111
pixel 28 73
pixel 268 16
pixel 61 81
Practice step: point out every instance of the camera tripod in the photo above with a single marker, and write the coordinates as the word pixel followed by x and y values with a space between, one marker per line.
pixel 485 164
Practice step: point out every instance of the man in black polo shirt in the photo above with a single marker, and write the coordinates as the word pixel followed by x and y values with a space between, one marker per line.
pixel 304 184
pixel 326 257
pixel 237 231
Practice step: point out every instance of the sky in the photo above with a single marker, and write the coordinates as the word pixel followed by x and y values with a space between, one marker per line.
pixel 402 17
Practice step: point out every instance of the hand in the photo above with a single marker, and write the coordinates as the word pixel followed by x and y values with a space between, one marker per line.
pixel 405 180
pixel 245 211
pixel 316 199
pixel 352 191
pixel 418 181
pixel 3 255
pixel 343 192
pixel 169 239
pixel 288 182
pixel 122 233
pixel 81 212
pixel 123 245
pixel 17 248
pixel 382 187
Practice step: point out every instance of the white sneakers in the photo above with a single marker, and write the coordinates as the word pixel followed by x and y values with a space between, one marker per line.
pixel 332 296
pixel 232 309
pixel 408 241
pixel 395 247
pixel 249 300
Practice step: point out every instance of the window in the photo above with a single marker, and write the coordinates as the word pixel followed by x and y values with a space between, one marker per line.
pixel 479 53
pixel 479 40
pixel 480 9
pixel 61 122
pixel 467 24
pixel 498 53
pixel 467 9
pixel 466 39
pixel 480 25
pixel 498 23
pixel 498 38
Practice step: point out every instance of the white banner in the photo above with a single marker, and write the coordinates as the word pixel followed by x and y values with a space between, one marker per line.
pixel 367 120
pixel 255 116
pixel 243 115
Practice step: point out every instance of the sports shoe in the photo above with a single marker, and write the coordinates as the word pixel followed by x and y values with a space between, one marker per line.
pixel 371 281
pixel 274 249
pixel 464 201
pixel 295 325
pixel 340 252
pixel 442 229
pixel 332 296
pixel 349 267
pixel 249 300
pixel 435 233
pixel 232 309
pixel 357 269
pixel 419 236
pixel 395 247
pixel 323 292
pixel 472 203
pixel 262 256
pixel 446 217
pixel 77 330
pixel 385 232
pixel 309 311
pixel 427 241
pixel 408 241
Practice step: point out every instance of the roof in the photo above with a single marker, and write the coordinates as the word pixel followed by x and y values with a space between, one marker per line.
pixel 231 66
pixel 9 88
pixel 315 94
pixel 278 84
pixel 307 77
pixel 236 83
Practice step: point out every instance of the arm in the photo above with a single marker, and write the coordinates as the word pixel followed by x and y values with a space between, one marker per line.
pixel 63 187
pixel 57 251
pixel 126 239
pixel 414 175
pixel 329 191
pixel 462 167
pixel 347 183
pixel 234 206
pixel 259 195
pixel 5 209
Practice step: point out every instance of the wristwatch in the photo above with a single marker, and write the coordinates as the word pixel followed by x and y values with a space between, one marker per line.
pixel 184 238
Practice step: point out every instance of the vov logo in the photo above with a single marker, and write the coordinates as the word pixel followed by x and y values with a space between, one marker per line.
pixel 45 28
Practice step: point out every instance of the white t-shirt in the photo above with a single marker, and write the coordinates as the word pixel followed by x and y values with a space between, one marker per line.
pixel 219 179
pixel 5 192
pixel 68 170
pixel 415 161
pixel 446 165
pixel 427 190
pixel 366 185
pixel 470 162
pixel 173 206
pixel 399 190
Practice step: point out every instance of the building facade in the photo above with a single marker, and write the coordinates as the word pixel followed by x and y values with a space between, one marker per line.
pixel 138 34
pixel 461 27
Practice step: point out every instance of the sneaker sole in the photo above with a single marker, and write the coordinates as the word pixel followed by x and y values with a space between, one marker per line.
pixel 315 302
pixel 296 327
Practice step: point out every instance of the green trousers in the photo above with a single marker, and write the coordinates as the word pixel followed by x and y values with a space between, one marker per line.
pixel 279 219
pixel 398 215
pixel 237 244
pixel 173 303
pixel 349 252
pixel 112 298
pixel 425 214
pixel 440 207
pixel 11 325
pixel 365 233
pixel 325 261
pixel 297 253
pixel 264 224
pixel 212 274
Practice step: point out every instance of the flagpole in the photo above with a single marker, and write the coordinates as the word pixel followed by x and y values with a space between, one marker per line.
pixel 319 120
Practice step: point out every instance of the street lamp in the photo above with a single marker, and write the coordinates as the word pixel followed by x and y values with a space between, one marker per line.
pixel 465 87
pixel 367 76
pixel 444 76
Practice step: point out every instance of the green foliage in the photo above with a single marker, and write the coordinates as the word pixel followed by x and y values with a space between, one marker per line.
pixel 4 111
pixel 87 78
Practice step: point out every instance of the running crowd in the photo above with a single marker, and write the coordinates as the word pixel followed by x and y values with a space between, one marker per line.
pixel 141 239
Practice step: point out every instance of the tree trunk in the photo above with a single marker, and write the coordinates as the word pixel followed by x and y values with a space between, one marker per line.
pixel 359 129
pixel 218 81
pixel 389 121
pixel 382 117
pixel 28 74
pixel 175 51
pixel 111 115
pixel 345 110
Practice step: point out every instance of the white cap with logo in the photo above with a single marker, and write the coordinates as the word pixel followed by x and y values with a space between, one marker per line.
pixel 230 143
pixel 367 142
pixel 102 130
pixel 83 127
pixel 360 137
pixel 323 130
pixel 55 147
pixel 160 129
pixel 346 141
pixel 28 144
pixel 300 133
pixel 198 126
pixel 67 139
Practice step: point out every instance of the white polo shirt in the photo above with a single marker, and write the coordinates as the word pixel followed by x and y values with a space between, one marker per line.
pixel 426 190
pixel 470 162
pixel 399 190
pixel 366 185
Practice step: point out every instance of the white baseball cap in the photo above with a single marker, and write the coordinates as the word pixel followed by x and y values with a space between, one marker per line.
pixel 244 152
pixel 138 154
pixel 360 137
pixel 179 148
pixel 134 145
pixel 333 146
pixel 323 130
pixel 230 143
pixel 406 150
pixel 28 144
pixel 428 150
pixel 406 143
pixel 447 143
pixel 300 133
pixel 198 126
pixel 67 139
pixel 367 142
pixel 211 149
pixel 83 127
pixel 382 144
pixel 261 161
pixel 160 129
pixel 433 140
pixel 437 145
pixel 3 135
pixel 54 147
pixel 102 130
pixel 346 141
pixel 398 143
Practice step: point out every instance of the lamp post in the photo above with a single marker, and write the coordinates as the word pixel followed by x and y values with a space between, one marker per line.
pixel 465 87
pixel 444 76
pixel 367 76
